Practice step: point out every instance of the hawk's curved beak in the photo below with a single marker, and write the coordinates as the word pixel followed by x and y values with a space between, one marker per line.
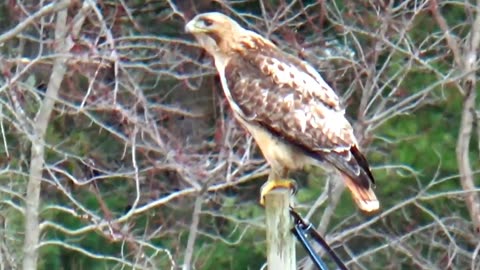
pixel 191 27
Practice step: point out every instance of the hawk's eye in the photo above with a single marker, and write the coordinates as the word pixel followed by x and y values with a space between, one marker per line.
pixel 207 22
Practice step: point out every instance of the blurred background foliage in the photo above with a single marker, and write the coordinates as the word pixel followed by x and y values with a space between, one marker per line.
pixel 166 88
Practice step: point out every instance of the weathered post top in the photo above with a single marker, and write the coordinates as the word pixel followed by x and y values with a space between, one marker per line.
pixel 280 241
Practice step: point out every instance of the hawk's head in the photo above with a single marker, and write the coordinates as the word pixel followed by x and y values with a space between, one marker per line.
pixel 214 31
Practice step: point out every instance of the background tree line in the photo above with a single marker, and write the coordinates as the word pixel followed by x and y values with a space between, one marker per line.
pixel 118 150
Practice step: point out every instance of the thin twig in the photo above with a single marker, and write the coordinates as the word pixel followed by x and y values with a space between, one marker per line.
pixel 193 232
pixel 46 10
pixel 451 40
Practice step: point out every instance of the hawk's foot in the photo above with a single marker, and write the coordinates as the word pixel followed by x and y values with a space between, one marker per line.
pixel 273 184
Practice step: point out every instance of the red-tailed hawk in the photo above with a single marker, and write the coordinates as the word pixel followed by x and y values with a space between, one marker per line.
pixel 293 115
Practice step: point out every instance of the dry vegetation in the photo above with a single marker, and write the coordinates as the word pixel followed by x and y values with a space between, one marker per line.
pixel 119 152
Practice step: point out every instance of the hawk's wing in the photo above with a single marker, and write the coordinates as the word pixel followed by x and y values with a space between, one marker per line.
pixel 287 97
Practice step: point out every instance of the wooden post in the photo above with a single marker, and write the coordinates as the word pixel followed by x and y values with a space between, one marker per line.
pixel 280 241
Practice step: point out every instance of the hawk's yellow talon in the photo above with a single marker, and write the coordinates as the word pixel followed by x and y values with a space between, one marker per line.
pixel 273 184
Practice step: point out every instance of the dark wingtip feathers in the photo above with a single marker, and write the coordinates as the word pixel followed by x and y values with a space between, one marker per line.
pixel 362 162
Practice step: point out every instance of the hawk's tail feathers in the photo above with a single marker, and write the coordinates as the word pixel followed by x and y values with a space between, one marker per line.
pixel 364 198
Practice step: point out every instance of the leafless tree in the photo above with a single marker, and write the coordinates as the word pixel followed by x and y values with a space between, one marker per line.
pixel 114 128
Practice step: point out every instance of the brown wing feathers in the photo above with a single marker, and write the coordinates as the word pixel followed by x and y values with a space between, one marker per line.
pixel 274 106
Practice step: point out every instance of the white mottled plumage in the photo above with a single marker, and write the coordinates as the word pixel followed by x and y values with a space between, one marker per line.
pixel 309 83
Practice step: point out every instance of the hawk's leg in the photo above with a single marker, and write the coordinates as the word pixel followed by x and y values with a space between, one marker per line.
pixel 276 180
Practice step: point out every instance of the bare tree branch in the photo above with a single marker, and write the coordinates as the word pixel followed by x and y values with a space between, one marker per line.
pixel 197 208
pixel 45 10
pixel 32 229
pixel 452 41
